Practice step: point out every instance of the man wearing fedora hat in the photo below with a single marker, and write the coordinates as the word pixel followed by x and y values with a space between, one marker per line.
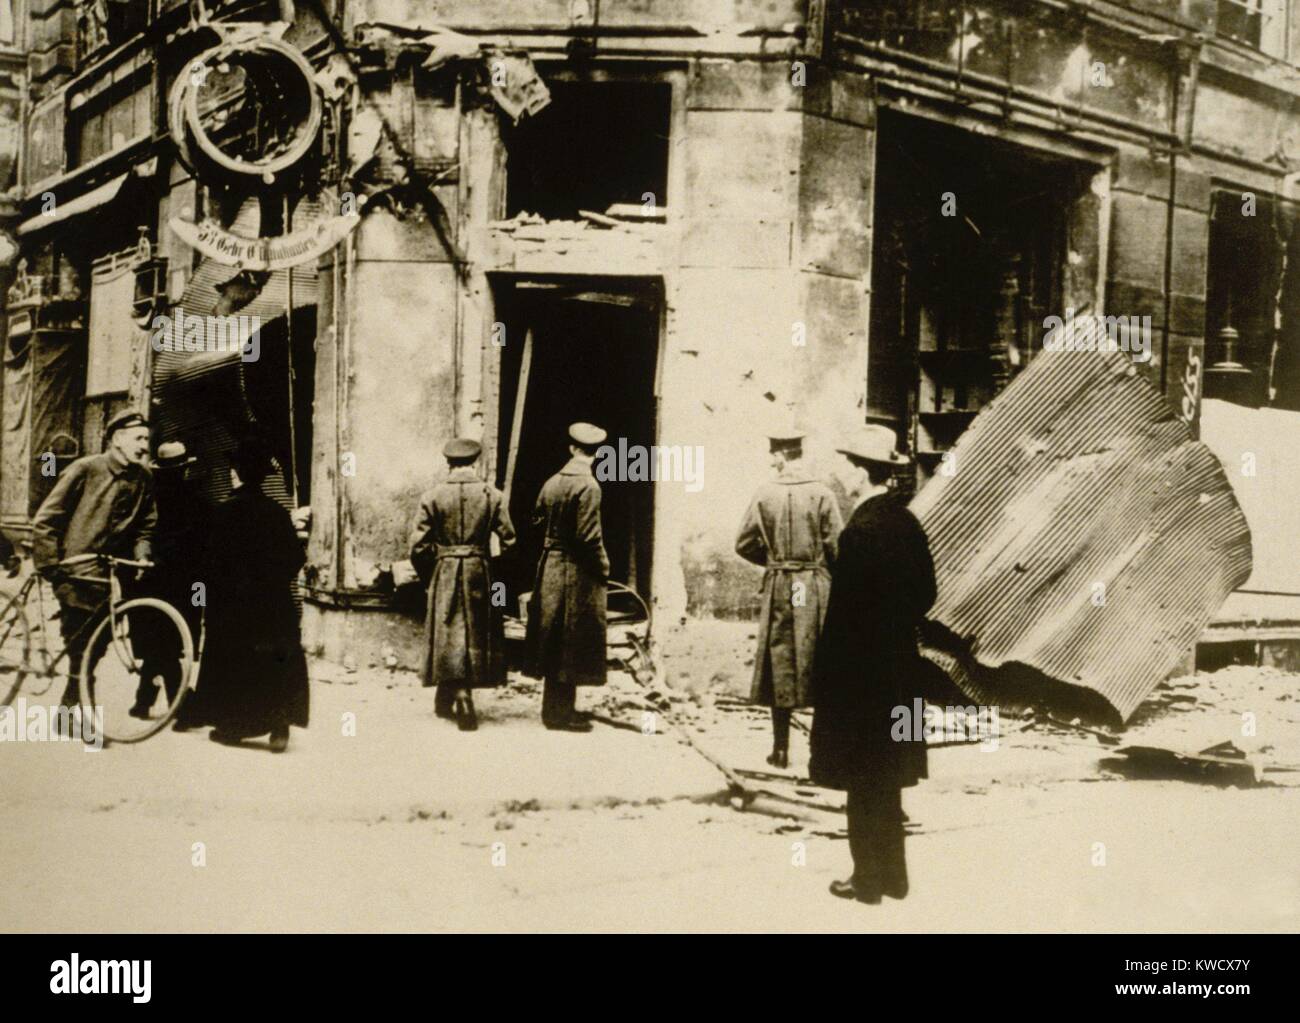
pixel 464 626
pixel 789 530
pixel 566 614
pixel 177 541
pixel 101 504
pixel 882 584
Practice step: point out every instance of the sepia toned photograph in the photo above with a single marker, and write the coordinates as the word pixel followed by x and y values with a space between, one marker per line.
pixel 650 467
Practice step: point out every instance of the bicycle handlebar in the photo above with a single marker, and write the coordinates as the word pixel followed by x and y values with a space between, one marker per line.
pixel 85 559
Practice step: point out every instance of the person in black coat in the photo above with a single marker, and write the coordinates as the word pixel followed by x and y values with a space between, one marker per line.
pixel 177 553
pixel 867 670
pixel 254 673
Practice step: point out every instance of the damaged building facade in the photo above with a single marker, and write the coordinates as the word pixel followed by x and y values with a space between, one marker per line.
pixel 681 219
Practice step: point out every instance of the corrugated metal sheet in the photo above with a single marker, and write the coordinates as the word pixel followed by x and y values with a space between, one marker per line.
pixel 1084 535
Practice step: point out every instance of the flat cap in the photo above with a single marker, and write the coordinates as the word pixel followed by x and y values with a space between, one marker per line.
pixel 462 448
pixel 123 421
pixel 587 435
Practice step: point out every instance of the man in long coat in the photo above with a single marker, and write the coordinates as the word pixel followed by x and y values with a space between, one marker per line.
pixel 869 671
pixel 566 619
pixel 254 673
pixel 464 625
pixel 790 531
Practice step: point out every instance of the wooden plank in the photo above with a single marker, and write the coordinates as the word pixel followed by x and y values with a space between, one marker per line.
pixel 516 426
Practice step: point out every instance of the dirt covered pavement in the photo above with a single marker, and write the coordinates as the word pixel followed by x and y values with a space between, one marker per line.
pixel 381 817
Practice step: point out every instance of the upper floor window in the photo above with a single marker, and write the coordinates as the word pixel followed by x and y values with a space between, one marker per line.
pixel 1261 24
pixel 597 145
pixel 105 23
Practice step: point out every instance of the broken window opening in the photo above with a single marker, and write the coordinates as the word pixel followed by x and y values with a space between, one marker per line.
pixel 596 145
pixel 1252 306
pixel 971 236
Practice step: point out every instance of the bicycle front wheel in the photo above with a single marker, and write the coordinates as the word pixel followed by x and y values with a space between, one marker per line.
pixel 15 651
pixel 137 669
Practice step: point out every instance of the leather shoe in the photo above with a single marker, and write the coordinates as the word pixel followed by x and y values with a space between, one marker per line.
pixel 279 741
pixel 139 711
pixel 571 725
pixel 848 890
pixel 779 758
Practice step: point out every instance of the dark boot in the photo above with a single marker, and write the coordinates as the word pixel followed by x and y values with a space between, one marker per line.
pixel 466 719
pixel 444 699
pixel 146 694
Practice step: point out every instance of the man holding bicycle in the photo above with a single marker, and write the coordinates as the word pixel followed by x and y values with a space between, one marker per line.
pixel 101 504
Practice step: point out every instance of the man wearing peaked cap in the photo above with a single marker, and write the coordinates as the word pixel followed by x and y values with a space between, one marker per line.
pixel 451 548
pixel 566 614
pixel 124 421
pixel 882 584
pixel 462 450
pixel 789 531
pixel 587 437
pixel 101 504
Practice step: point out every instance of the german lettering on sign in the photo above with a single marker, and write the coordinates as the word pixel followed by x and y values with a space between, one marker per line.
pixel 277 253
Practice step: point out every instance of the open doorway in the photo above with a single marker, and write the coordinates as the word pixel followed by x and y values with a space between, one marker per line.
pixel 280 386
pixel 578 351
pixel 974 238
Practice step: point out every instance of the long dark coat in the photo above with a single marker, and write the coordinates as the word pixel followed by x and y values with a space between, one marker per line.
pixel 790 530
pixel 566 615
pixel 464 629
pixel 867 663
pixel 253 676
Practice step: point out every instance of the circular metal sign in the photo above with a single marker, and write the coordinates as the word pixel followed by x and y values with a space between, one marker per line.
pixel 248 107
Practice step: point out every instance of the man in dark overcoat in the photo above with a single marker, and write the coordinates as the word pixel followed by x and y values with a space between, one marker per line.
pixel 451 551
pixel 253 676
pixel 868 666
pixel 566 614
pixel 789 530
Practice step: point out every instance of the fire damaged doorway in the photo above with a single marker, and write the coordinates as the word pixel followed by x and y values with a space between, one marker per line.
pixel 577 351
pixel 977 241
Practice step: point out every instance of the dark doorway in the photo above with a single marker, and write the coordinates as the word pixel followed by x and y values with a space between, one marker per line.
pixel 588 351
pixel 280 386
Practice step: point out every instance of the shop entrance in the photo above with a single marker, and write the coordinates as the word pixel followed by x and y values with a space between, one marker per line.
pixel 577 351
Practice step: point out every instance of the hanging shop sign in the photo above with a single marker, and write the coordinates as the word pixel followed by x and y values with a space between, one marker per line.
pixel 247 107
pixel 277 253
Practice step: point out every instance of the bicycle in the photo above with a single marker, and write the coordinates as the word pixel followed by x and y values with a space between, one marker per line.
pixel 139 631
